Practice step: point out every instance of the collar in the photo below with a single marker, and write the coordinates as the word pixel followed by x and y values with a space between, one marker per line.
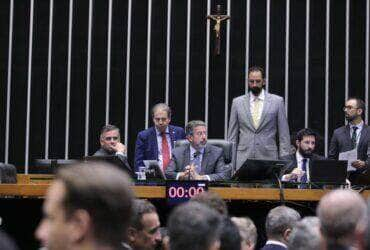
pixel 275 242
pixel 193 150
pixel 359 126
pixel 159 133
pixel 298 156
pixel 261 96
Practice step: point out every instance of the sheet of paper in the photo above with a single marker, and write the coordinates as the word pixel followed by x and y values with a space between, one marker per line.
pixel 349 156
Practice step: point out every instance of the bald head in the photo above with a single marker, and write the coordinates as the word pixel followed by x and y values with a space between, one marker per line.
pixel 340 213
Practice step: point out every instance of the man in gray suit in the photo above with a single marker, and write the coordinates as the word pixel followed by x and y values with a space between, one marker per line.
pixel 198 160
pixel 257 119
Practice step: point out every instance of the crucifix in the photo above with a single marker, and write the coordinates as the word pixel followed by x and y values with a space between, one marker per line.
pixel 218 18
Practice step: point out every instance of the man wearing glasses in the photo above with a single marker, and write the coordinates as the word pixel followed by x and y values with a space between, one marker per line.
pixel 355 135
pixel 110 144
pixel 157 142
pixel 257 119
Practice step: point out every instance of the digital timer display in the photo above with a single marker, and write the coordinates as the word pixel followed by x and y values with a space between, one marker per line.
pixel 181 191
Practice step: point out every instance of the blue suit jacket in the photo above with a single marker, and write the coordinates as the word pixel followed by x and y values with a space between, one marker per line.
pixel 147 147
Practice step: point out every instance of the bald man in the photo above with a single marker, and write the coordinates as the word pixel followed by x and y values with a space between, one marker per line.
pixel 342 214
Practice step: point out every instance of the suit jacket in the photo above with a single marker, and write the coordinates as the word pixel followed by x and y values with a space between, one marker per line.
pixel 273 247
pixel 213 163
pixel 293 162
pixel 123 158
pixel 341 142
pixel 259 143
pixel 147 145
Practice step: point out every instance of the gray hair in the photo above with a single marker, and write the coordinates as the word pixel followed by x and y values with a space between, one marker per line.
pixel 279 220
pixel 107 128
pixel 306 234
pixel 189 129
pixel 340 213
pixel 247 229
pixel 162 106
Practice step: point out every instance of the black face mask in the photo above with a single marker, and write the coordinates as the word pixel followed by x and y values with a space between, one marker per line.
pixel 255 90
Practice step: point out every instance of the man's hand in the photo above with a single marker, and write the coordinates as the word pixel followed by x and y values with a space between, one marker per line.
pixel 119 147
pixel 358 164
pixel 294 175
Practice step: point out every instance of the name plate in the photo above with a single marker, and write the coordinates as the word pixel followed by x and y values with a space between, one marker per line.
pixel 181 191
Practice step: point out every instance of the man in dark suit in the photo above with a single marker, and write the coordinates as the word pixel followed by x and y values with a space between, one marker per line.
pixel 356 134
pixel 298 168
pixel 198 160
pixel 279 224
pixel 110 144
pixel 156 143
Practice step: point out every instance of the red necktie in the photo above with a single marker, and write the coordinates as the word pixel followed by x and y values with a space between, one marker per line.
pixel 165 151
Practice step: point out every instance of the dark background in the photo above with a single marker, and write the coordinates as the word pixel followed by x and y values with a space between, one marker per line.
pixel 136 114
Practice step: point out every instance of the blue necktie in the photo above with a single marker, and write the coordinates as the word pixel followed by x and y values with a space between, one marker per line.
pixel 304 168
pixel 196 161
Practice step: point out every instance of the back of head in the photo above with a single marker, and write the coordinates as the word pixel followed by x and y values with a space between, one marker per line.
pixel 229 235
pixel 247 230
pixel 104 192
pixel 340 213
pixel 193 226
pixel 278 220
pixel 306 235
pixel 139 208
pixel 212 200
pixel 8 173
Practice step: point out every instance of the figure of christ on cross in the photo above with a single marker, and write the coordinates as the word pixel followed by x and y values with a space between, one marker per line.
pixel 218 18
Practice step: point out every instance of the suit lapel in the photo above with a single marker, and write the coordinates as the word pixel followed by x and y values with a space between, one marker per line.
pixel 247 111
pixel 205 159
pixel 186 156
pixel 362 136
pixel 266 106
pixel 172 135
pixel 153 139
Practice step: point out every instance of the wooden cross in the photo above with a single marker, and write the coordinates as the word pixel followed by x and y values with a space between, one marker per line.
pixel 218 18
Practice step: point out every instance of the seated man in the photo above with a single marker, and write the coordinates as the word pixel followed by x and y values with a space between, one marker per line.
pixel 198 160
pixel 110 144
pixel 298 169
pixel 150 144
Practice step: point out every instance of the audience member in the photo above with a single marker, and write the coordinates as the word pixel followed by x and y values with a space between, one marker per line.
pixel 143 233
pixel 212 200
pixel 306 235
pixel 194 226
pixel 157 142
pixel 198 160
pixel 88 206
pixel 342 215
pixel 247 231
pixel 229 235
pixel 279 224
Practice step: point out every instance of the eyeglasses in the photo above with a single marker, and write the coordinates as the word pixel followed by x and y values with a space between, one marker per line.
pixel 162 119
pixel 349 108
pixel 114 138
pixel 254 81
pixel 200 133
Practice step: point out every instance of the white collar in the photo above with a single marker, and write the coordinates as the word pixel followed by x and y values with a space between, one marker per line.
pixel 159 133
pixel 275 242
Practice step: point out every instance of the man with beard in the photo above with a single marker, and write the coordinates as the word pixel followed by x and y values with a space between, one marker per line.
pixel 257 119
pixel 355 135
pixel 198 160
pixel 110 144
pixel 298 168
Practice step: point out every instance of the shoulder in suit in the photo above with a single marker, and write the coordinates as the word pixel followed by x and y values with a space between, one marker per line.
pixel 273 247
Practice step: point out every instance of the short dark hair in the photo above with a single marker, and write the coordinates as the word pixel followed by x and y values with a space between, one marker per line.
pixel 359 103
pixel 107 128
pixel 305 132
pixel 229 235
pixel 162 106
pixel 193 226
pixel 189 129
pixel 141 207
pixel 104 192
pixel 256 69
pixel 212 200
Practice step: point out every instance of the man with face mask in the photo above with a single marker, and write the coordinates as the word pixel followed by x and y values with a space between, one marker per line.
pixel 198 160
pixel 298 168
pixel 257 119
pixel 355 135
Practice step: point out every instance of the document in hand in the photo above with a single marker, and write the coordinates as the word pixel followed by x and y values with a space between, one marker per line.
pixel 349 156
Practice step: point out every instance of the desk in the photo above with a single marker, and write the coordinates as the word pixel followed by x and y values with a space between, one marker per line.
pixel 158 192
